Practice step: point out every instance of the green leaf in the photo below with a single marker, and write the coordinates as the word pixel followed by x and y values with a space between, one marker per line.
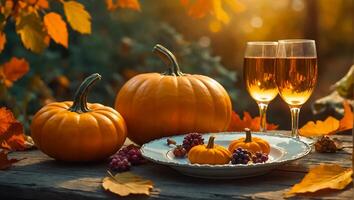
pixel 30 28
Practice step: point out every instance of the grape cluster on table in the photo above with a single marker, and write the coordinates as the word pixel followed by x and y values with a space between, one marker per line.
pixel 125 158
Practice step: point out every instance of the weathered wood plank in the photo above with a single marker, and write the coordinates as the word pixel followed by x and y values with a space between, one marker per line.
pixel 39 177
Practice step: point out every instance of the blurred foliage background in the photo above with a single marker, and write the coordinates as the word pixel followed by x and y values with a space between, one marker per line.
pixel 121 42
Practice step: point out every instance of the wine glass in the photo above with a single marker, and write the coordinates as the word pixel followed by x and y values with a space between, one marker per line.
pixel 259 75
pixel 296 75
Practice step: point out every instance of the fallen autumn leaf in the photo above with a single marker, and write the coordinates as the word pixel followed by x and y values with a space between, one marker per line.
pixel 321 177
pixel 127 183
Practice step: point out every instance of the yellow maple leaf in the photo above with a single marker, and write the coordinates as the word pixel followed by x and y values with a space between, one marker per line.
pixel 320 128
pixel 322 177
pixel 56 28
pixel 30 28
pixel 78 18
pixel 127 183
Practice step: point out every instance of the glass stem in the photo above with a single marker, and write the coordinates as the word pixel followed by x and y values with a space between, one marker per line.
pixel 295 121
pixel 263 117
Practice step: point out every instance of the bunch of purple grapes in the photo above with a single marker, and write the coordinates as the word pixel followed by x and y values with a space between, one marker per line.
pixel 119 163
pixel 191 140
pixel 125 158
pixel 259 157
pixel 242 156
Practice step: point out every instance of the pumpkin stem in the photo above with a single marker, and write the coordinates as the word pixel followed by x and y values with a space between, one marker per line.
pixel 169 59
pixel 248 135
pixel 210 142
pixel 80 98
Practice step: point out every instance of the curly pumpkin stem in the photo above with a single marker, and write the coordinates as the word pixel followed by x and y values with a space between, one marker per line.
pixel 80 98
pixel 169 59
pixel 248 135
pixel 210 142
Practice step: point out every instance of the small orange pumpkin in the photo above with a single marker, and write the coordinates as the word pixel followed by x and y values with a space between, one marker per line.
pixel 252 144
pixel 156 105
pixel 78 131
pixel 209 154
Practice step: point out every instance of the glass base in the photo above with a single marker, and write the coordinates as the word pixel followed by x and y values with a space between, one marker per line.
pixel 307 140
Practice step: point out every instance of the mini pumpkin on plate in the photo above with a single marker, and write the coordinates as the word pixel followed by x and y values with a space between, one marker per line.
pixel 212 154
pixel 78 131
pixel 252 144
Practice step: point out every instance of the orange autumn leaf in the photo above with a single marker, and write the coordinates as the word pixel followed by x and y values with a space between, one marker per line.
pixel 201 8
pixel 330 125
pixel 347 121
pixel 5 162
pixel 2 41
pixel 13 70
pixel 11 132
pixel 14 138
pixel 198 9
pixel 56 28
pixel 322 177
pixel 6 119
pixel 43 4
pixel 130 4
pixel 238 124
pixel 40 3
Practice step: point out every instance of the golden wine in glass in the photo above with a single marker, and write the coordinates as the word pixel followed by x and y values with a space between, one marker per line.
pixel 259 75
pixel 296 75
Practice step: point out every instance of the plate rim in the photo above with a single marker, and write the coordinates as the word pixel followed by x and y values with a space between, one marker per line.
pixel 228 166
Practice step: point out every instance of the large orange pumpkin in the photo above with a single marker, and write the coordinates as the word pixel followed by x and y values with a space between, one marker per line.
pixel 156 105
pixel 78 131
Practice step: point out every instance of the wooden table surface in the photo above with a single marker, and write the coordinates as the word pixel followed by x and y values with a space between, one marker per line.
pixel 40 177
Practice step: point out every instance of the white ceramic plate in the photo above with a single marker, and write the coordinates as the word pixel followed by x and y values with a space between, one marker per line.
pixel 284 149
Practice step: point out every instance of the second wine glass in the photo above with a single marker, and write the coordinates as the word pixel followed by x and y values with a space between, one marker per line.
pixel 259 75
pixel 296 75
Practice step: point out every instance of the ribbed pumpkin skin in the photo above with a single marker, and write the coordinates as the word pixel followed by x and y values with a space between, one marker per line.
pixel 71 136
pixel 156 105
pixel 209 154
pixel 257 145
